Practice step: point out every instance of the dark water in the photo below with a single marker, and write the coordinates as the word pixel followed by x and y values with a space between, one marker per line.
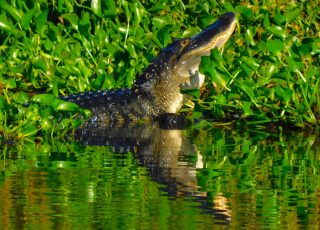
pixel 150 178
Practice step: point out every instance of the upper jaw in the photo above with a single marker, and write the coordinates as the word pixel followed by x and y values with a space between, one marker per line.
pixel 214 36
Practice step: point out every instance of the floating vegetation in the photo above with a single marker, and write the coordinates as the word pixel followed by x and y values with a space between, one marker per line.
pixel 268 72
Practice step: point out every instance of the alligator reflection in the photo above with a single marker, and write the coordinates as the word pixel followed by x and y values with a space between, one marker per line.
pixel 167 153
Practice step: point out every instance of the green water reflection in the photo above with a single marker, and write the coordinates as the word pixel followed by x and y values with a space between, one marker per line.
pixel 151 178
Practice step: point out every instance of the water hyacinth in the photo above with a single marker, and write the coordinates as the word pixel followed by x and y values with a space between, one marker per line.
pixel 267 72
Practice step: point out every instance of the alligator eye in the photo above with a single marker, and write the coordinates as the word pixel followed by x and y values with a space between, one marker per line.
pixel 183 43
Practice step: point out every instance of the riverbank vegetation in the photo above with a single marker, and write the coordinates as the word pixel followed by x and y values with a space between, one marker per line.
pixel 268 72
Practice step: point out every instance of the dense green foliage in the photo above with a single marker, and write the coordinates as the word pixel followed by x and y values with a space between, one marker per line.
pixel 267 72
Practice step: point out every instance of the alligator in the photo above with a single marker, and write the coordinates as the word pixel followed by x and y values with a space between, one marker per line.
pixel 157 91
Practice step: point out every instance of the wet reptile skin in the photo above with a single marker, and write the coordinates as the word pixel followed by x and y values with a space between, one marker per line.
pixel 157 91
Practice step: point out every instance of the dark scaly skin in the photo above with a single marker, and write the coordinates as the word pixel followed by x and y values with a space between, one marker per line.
pixel 158 89
pixel 116 106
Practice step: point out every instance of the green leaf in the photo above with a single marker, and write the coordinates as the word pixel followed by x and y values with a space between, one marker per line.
pixel 249 36
pixel 61 47
pixel 221 99
pixel 193 92
pixel 3 102
pixel 284 93
pixel 206 20
pixel 266 20
pixel 5 24
pixel 46 123
pixel 246 106
pixel 27 18
pixel 161 21
pixel 306 46
pixel 14 12
pixel 21 97
pixel 269 70
pixel 138 12
pixel 40 64
pixel 246 87
pixel 216 56
pixel 292 15
pixel 131 50
pixel 111 8
pixel 245 12
pixel 96 7
pixel 44 99
pixel 251 62
pixel 73 19
pixel 66 106
pixel 41 21
pixel 246 69
pixel 9 83
pixel 29 131
pixel 294 65
pixel 275 45
pixel 84 24
pixel 276 30
pixel 207 66
pixel 279 19
pixel 164 35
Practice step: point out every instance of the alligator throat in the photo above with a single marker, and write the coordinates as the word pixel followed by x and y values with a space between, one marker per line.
pixel 157 90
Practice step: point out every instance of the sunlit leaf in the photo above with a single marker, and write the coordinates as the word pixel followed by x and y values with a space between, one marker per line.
pixel 29 131
pixel 5 24
pixel 13 11
pixel 44 99
pixel 276 30
pixel 160 21
pixel 138 12
pixel 66 106
pixel 249 36
pixel 96 7
pixel 251 62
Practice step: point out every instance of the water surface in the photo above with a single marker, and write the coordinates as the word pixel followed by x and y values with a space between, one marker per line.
pixel 150 178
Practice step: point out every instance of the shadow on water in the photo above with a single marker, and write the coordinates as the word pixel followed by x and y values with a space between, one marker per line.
pixel 145 176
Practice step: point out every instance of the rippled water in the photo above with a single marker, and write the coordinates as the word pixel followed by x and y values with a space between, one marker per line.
pixel 150 178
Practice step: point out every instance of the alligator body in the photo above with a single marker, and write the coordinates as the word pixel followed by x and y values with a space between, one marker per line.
pixel 158 89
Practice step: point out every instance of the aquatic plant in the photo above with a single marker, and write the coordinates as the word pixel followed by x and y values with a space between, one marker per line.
pixel 268 71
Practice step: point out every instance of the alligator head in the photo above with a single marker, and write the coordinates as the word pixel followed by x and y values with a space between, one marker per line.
pixel 177 66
